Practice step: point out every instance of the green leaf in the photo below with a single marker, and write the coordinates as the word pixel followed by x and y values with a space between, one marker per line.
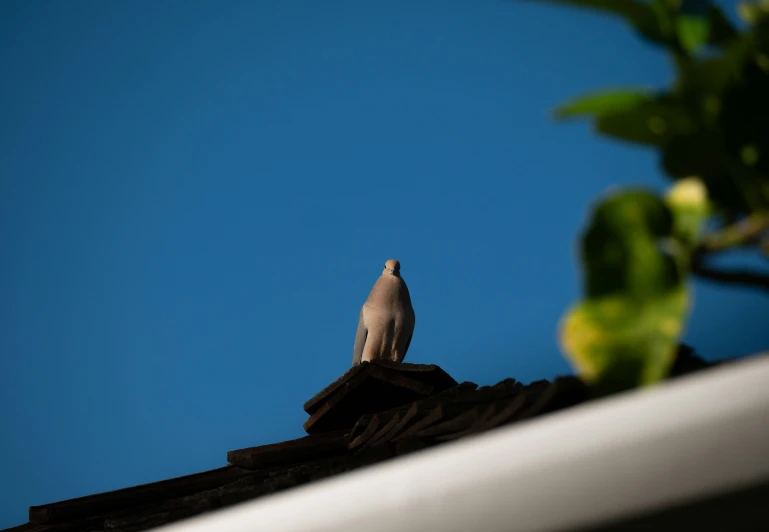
pixel 650 123
pixel 688 201
pixel 625 331
pixel 618 342
pixel 621 250
pixel 693 32
pixel 603 102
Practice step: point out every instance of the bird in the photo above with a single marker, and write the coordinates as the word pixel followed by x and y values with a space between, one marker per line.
pixel 387 319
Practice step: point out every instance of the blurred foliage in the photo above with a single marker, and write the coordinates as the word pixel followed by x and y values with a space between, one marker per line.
pixel 635 253
pixel 712 122
pixel 711 131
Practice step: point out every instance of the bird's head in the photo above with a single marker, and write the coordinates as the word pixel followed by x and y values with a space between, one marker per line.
pixel 392 267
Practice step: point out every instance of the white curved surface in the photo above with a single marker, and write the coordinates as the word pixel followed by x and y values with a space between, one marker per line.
pixel 697 435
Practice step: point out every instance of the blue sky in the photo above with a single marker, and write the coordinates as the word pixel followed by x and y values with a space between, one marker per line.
pixel 196 197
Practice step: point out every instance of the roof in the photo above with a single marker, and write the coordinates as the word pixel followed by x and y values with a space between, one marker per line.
pixel 374 412
pixel 687 455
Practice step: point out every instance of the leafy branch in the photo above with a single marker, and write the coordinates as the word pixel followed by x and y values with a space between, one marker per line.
pixel 711 133
pixel 746 232
pixel 749 232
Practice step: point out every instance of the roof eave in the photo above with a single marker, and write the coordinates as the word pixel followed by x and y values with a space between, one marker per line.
pixel 685 440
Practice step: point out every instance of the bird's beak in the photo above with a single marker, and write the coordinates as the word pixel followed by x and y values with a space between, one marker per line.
pixel 391 270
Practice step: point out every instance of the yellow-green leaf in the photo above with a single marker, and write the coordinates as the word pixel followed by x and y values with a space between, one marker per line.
pixel 688 201
pixel 619 342
pixel 753 12
pixel 625 331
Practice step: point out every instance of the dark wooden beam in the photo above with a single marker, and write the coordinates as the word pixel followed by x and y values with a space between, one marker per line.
pixel 311 447
pixel 112 501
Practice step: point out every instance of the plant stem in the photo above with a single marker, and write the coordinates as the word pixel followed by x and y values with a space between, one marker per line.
pixel 738 277
pixel 743 233
pixel 746 232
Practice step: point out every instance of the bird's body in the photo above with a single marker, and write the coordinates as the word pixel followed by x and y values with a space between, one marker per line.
pixel 386 321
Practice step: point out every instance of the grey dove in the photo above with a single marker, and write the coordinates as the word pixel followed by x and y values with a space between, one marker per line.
pixel 386 322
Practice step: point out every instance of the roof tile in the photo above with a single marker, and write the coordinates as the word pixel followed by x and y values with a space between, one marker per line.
pixel 372 413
